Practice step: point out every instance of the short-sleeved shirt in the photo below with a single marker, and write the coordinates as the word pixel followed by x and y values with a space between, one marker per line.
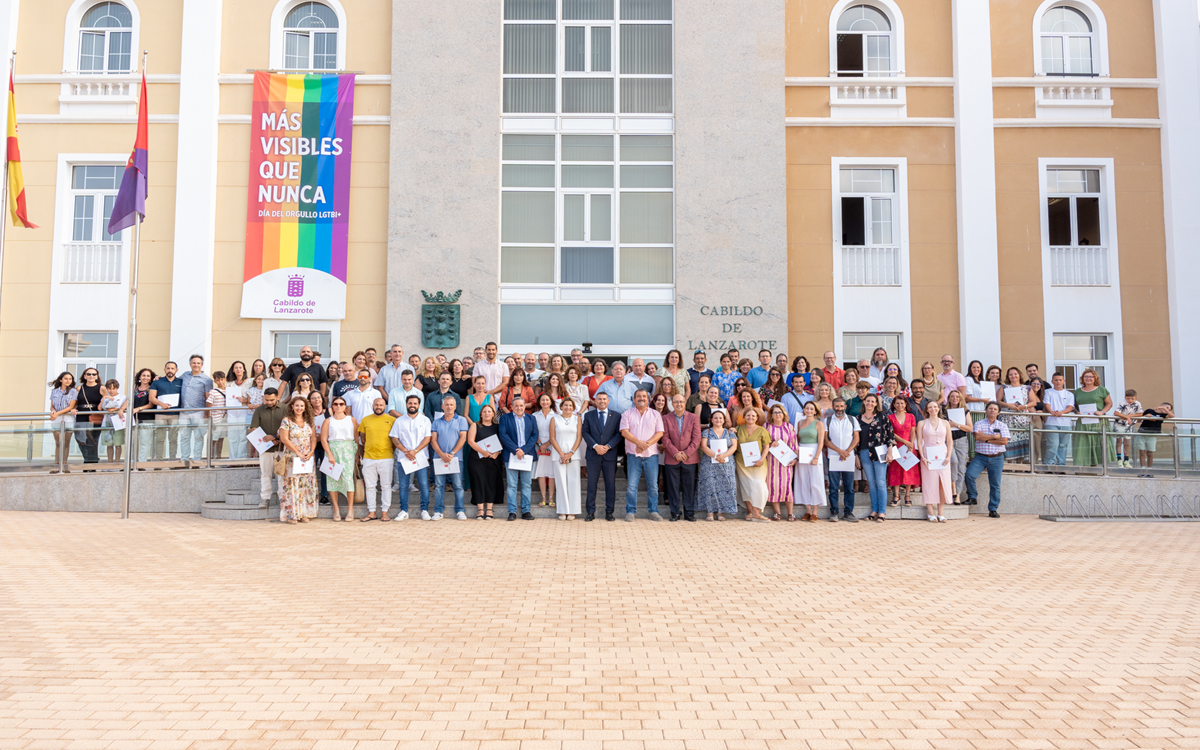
pixel 841 431
pixel 758 377
pixel 493 373
pixel 193 390
pixel 985 427
pixel 411 430
pixel 1057 401
pixel 163 387
pixel 446 433
pixel 1152 422
pixel 620 397
pixel 433 404
pixel 951 381
pixel 835 377
pixel 362 403
pixel 398 399
pixel 376 430
pixel 694 376
pixel 296 369
pixel 389 376
pixel 643 427
pixel 340 387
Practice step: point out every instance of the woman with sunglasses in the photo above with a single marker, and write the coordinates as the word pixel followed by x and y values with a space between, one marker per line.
pixel 337 438
pixel 275 379
pixel 304 386
pixel 91 397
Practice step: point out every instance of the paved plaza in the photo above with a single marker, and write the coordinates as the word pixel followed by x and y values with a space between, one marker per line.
pixel 171 631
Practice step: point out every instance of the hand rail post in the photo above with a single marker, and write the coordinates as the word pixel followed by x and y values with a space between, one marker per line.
pixel 1175 447
pixel 208 440
pixel 1104 446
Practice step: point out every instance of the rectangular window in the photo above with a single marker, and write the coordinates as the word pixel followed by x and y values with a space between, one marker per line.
pixel 856 346
pixel 526 217
pixel 647 265
pixel 1076 352
pixel 869 235
pixel 289 343
pixel 647 218
pixel 93 255
pixel 84 349
pixel 527 265
pixel 1074 228
pixel 587 265
pixel 602 325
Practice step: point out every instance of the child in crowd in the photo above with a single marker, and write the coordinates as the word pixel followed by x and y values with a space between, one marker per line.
pixel 1123 425
pixel 216 399
pixel 1146 440
pixel 113 403
pixel 255 391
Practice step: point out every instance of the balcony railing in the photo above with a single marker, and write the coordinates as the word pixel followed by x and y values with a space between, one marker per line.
pixel 1073 92
pixel 1079 266
pixel 102 88
pixel 92 263
pixel 870 266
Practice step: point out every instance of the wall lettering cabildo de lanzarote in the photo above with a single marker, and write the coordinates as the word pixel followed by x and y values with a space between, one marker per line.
pixel 731 327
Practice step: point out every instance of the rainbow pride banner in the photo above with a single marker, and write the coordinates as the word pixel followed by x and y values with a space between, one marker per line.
pixel 298 204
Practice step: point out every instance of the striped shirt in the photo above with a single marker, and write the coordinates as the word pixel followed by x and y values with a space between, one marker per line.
pixel 984 427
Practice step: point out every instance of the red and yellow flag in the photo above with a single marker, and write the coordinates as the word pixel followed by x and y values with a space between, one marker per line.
pixel 16 179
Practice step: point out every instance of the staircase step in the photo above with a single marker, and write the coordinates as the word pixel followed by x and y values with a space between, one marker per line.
pixel 225 512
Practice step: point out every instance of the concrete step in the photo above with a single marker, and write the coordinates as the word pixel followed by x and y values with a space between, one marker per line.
pixel 243 498
pixel 224 512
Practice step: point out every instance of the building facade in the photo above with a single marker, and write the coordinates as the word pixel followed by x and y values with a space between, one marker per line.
pixel 1009 181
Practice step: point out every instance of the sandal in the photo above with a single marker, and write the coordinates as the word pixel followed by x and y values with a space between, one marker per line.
pixel 368 517
pixel 791 517
pixel 710 517
pixel 776 517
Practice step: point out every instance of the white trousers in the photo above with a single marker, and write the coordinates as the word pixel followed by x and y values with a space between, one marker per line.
pixel 378 471
pixel 266 472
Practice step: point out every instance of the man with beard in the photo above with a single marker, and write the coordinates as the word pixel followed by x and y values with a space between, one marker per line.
pixel 306 365
pixel 375 454
pixel 269 416
pixel 410 435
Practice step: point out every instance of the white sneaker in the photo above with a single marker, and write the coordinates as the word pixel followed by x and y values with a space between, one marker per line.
pixel 436 517
pixel 401 516
pixel 395 488
pixel 425 515
pixel 461 516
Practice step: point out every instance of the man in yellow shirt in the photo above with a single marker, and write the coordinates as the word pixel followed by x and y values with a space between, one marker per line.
pixel 375 451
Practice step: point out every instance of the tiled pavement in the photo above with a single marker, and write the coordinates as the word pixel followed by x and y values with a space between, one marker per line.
pixel 170 631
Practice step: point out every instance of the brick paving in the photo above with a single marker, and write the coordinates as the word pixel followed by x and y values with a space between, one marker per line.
pixel 171 631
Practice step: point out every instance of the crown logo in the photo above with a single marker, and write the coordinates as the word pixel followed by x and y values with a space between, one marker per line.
pixel 441 298
pixel 295 286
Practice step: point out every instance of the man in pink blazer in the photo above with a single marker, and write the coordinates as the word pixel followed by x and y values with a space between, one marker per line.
pixel 681 458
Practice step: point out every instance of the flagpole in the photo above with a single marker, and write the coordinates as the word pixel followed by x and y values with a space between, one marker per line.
pixel 12 61
pixel 130 434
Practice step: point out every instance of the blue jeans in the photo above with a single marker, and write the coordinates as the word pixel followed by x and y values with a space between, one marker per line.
pixel 515 477
pixel 995 468
pixel 439 491
pixel 1057 445
pixel 846 480
pixel 634 467
pixel 422 477
pixel 876 475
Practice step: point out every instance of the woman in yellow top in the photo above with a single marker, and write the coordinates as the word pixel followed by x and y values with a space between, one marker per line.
pixel 746 401
pixel 752 478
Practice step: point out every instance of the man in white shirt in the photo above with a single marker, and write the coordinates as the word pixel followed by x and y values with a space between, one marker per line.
pixel 410 436
pixel 388 379
pixel 863 368
pixel 879 363
pixel 361 399
pixel 1059 403
pixel 494 371
pixel 639 377
pixel 400 395
pixel 532 373
pixel 841 438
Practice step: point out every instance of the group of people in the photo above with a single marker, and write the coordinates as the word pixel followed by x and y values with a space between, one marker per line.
pixel 779 433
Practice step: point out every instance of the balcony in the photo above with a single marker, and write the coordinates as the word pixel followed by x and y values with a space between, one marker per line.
pixel 1079 266
pixel 92 263
pixel 101 88
pixel 866 92
pixel 871 266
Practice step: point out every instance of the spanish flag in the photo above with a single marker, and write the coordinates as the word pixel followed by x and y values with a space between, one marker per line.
pixel 16 179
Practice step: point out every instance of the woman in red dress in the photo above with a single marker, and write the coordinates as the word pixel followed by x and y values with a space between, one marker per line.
pixel 903 424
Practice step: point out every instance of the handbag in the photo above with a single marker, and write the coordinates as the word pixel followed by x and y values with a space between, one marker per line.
pixel 281 464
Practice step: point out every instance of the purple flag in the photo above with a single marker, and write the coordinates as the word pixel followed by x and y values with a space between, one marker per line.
pixel 131 198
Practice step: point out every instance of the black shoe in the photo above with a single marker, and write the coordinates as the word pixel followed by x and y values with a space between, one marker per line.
pixel 993 514
pixel 324 501
pixel 690 519
pixel 972 501
pixel 512 516
pixel 590 517
pixel 609 517
pixel 850 518
pixel 527 516
pixel 674 517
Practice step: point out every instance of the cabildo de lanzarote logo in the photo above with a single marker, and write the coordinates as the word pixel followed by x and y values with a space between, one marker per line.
pixel 295 286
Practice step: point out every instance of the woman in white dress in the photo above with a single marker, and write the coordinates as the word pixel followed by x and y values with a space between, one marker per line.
pixel 565 437
pixel 544 470
pixel 808 481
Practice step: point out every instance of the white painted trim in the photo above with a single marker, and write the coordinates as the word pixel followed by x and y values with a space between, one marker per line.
pixel 1111 83
pixel 1177 43
pixel 84 78
pixel 357 120
pixel 930 81
pixel 864 309
pixel 895 122
pixel 1055 122
pixel 1091 309
pixel 75 307
pixel 1099 33
pixel 71 33
pixel 279 15
pixel 819 81
pixel 361 79
pixel 269 327
pixel 889 9
pixel 46 119
pixel 883 109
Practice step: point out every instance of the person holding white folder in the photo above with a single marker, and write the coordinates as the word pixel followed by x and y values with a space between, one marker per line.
pixel 753 443
pixel 841 442
pixel 808 484
pixel 518 436
pixel 449 436
pixel 933 445
pixel 410 437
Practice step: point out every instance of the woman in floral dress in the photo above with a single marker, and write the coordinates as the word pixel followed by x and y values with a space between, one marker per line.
pixel 717 489
pixel 299 437
pixel 779 476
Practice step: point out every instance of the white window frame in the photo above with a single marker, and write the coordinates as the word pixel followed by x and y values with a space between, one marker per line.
pixel 898 226
pixel 1082 364
pixel 107 33
pixel 845 355
pixel 1094 310
pixel 279 15
pixel 66 363
pixel 857 309
pixel 74 34
pixel 1074 97
pixel 851 97
pixel 269 328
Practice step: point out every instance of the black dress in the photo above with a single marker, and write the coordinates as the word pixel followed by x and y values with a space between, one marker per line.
pixel 487 475
pixel 88 438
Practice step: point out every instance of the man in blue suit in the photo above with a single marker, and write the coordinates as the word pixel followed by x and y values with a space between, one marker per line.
pixel 601 433
pixel 518 437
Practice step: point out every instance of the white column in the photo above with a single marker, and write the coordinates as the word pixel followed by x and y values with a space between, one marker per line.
pixel 975 172
pixel 8 30
pixel 1178 45
pixel 196 182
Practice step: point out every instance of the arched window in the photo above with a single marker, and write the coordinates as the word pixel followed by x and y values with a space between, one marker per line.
pixel 106 39
pixel 1067 43
pixel 864 43
pixel 310 38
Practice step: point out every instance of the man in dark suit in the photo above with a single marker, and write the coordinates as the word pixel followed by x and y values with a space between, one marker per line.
pixel 601 434
pixel 518 438
pixel 681 458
